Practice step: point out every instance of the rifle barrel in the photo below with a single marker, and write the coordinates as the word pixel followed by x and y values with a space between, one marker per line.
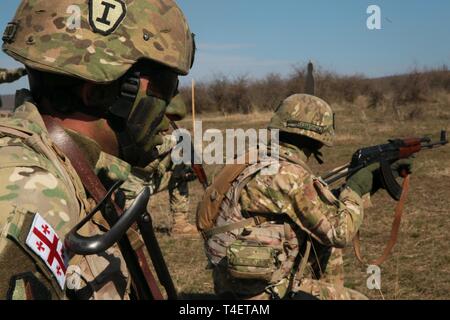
pixel 341 174
pixel 335 171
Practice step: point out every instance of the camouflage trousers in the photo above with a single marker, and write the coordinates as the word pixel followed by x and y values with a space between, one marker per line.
pixel 178 190
pixel 329 268
pixel 330 282
pixel 317 289
pixel 179 198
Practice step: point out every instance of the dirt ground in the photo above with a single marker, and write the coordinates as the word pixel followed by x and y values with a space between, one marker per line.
pixel 419 267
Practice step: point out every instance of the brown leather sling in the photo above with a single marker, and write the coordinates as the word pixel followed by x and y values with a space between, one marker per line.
pixel 394 231
pixel 94 186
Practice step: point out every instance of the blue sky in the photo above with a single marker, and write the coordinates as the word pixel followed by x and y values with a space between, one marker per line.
pixel 256 37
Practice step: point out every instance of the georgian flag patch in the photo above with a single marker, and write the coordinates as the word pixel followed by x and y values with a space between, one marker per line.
pixel 44 242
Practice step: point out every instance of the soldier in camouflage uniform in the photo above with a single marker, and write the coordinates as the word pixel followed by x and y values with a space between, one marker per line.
pixel 175 179
pixel 7 76
pixel 107 82
pixel 272 236
pixel 11 75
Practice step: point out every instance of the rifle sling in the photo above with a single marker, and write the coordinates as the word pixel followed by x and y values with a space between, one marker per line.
pixel 95 188
pixel 394 231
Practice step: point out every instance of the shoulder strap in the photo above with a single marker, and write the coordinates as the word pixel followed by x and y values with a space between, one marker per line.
pixel 96 189
pixel 208 207
pixel 394 231
pixel 70 149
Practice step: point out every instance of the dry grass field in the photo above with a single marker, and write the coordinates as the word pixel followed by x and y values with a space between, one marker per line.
pixel 419 267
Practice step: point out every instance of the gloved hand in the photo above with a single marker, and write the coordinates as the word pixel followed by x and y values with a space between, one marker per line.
pixel 22 71
pixel 185 173
pixel 402 165
pixel 362 181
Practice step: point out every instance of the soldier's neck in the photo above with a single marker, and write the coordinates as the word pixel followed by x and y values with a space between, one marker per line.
pixel 94 128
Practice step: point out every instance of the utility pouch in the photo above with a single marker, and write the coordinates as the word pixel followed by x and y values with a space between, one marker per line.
pixel 251 260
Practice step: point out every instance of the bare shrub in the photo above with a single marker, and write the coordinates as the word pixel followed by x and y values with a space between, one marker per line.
pixel 239 95
pixel 245 95
pixel 415 113
pixel 376 98
pixel 267 93
pixel 414 88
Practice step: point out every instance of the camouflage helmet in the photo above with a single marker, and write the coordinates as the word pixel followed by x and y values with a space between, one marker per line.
pixel 99 40
pixel 305 115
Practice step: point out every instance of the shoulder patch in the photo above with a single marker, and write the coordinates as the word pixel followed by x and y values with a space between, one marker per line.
pixel 106 15
pixel 45 243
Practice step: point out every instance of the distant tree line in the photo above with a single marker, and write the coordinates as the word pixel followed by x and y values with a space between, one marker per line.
pixel 246 95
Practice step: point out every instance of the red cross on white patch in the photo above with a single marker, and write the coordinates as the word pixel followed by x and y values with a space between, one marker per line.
pixel 44 241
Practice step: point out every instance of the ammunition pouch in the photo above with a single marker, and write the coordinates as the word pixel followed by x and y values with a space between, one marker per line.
pixel 251 260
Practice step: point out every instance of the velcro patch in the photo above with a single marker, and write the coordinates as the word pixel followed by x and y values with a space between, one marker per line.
pixel 45 243
pixel 106 15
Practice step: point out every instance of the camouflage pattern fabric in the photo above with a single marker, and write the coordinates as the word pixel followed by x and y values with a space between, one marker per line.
pixel 171 178
pixel 37 178
pixel 133 185
pixel 228 287
pixel 314 289
pixel 11 75
pixel 161 175
pixel 305 115
pixel 112 168
pixel 302 209
pixel 112 36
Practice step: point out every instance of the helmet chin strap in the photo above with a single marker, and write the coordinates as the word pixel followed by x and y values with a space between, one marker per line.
pixel 318 156
pixel 315 152
pixel 128 93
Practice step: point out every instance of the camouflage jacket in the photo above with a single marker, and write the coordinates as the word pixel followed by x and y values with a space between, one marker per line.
pixel 163 166
pixel 40 189
pixel 295 191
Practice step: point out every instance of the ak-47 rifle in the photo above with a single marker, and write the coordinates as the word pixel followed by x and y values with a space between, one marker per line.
pixel 385 155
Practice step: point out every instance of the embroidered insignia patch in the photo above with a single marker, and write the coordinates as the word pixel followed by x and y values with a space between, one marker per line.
pixel 106 15
pixel 44 242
